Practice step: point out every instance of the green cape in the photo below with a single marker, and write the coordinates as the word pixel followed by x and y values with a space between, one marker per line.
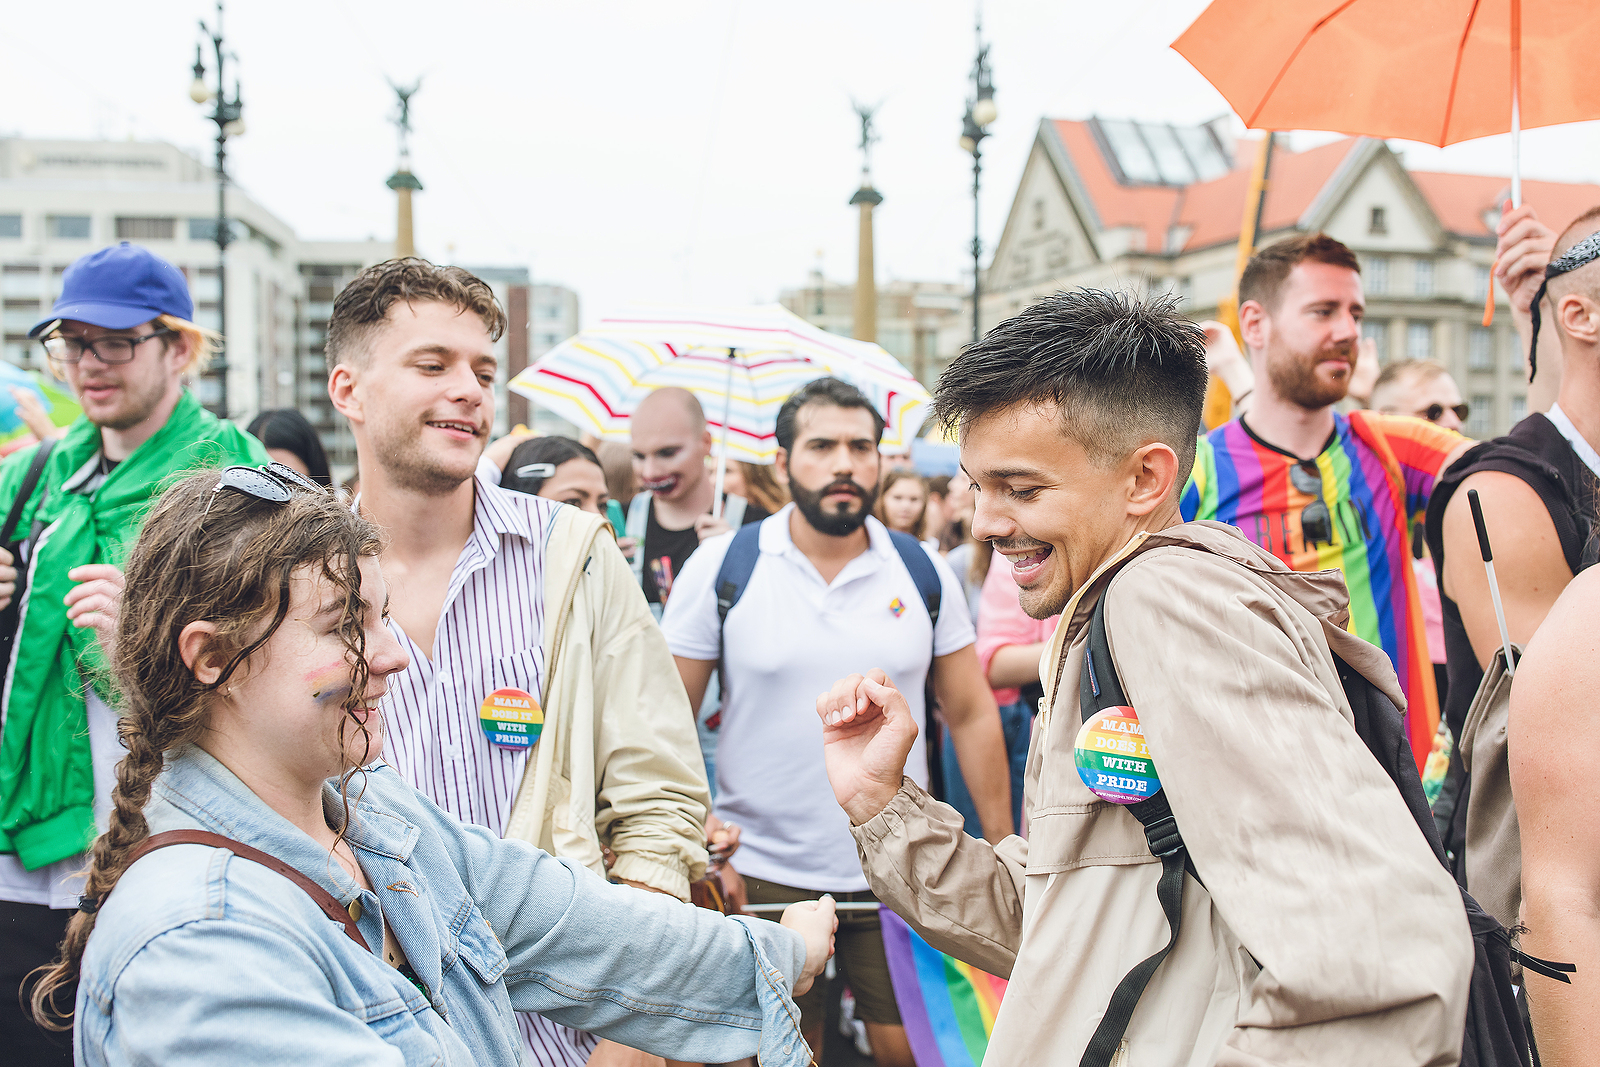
pixel 46 775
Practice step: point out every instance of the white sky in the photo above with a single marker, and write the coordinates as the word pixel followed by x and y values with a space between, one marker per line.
pixel 687 150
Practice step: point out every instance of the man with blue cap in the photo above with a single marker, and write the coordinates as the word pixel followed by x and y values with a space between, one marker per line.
pixel 122 336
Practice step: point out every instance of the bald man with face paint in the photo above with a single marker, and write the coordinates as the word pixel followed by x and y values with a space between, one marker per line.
pixel 671 515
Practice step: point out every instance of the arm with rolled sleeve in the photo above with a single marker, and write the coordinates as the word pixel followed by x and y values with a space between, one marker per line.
pixel 1306 848
pixel 652 793
pixel 638 968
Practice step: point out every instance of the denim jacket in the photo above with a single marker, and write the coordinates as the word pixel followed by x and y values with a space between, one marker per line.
pixel 200 957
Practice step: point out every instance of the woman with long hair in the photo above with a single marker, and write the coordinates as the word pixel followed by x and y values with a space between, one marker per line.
pixel 269 891
pixel 903 501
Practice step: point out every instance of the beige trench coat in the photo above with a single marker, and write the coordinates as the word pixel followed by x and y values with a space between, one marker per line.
pixel 1326 932
pixel 619 761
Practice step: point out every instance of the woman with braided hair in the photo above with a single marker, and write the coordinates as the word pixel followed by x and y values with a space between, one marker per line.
pixel 269 891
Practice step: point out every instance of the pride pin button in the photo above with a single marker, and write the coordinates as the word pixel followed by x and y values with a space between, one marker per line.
pixel 1112 758
pixel 511 718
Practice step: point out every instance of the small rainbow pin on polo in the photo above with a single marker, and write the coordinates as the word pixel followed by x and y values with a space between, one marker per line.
pixel 896 608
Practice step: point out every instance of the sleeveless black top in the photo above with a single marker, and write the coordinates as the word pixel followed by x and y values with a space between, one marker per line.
pixel 1536 452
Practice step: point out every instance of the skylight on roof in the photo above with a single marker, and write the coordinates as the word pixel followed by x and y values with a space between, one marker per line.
pixel 1147 153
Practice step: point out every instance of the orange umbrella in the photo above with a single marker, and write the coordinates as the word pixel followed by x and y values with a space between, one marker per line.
pixel 1437 71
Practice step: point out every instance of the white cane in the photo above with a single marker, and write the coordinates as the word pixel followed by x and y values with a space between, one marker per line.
pixel 1494 586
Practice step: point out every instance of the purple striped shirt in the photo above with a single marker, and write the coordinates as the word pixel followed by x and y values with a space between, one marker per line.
pixel 490 636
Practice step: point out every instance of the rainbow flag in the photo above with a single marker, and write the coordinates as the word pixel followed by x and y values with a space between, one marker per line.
pixel 948 1007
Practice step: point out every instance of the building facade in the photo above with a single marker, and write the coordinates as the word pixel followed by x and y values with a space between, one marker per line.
pixel 62 199
pixel 910 316
pixel 1157 208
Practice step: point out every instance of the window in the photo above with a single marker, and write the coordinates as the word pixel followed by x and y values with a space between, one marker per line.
pixel 1480 282
pixel 68 227
pixel 1378 334
pixel 1422 277
pixel 145 229
pixel 1519 409
pixel 1378 274
pixel 1419 340
pixel 19 318
pixel 1377 223
pixel 549 311
pixel 1480 349
pixel 22 281
pixel 1481 414
pixel 10 225
pixel 206 230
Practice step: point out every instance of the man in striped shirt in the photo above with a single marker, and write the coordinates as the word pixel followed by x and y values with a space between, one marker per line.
pixel 541 701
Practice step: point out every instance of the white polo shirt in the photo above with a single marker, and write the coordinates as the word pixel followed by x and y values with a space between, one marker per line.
pixel 788 639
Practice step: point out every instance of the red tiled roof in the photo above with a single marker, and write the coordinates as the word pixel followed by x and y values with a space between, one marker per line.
pixel 1212 210
pixel 1460 200
pixel 1147 207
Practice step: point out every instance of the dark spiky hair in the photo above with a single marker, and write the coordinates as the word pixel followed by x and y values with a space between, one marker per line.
pixel 1123 370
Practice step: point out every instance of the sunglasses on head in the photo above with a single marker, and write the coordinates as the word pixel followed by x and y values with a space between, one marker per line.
pixel 1316 521
pixel 272 482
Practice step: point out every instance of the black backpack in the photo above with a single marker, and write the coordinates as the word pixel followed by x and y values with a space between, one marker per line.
pixel 1494 1036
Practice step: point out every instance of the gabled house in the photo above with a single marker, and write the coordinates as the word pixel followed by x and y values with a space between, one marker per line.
pixel 1119 204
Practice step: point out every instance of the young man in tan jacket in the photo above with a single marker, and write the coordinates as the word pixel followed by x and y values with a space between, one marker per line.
pixel 1320 929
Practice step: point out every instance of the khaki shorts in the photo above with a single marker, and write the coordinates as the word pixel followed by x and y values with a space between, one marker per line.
pixel 857 953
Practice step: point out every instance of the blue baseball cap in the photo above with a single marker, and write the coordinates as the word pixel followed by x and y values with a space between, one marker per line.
pixel 118 288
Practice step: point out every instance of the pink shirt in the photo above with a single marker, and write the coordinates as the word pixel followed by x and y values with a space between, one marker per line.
pixel 1002 622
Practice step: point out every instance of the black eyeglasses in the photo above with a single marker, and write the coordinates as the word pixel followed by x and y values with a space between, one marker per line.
pixel 1435 412
pixel 1316 522
pixel 272 482
pixel 108 350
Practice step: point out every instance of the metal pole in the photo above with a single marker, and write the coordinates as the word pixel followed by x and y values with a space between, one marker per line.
pixel 722 458
pixel 221 118
pixel 977 241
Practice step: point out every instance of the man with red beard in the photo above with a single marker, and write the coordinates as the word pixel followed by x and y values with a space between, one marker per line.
pixel 1316 488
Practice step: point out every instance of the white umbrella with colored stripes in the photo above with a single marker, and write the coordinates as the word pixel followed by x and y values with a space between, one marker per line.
pixel 742 363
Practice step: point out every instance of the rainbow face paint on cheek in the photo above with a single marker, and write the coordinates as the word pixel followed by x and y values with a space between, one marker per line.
pixel 330 684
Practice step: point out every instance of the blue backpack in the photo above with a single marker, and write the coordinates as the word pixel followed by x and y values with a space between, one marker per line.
pixel 743 554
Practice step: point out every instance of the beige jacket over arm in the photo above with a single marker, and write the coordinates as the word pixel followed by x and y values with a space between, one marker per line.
pixel 1325 932
pixel 618 763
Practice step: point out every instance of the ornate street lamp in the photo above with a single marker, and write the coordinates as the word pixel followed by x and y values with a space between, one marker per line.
pixel 228 115
pixel 981 112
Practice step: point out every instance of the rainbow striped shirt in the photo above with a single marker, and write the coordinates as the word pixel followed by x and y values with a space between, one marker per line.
pixel 1377 473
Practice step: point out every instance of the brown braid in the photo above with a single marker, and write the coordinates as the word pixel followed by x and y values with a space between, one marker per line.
pixel 218 557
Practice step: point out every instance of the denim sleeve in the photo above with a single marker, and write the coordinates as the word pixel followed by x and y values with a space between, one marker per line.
pixel 641 968
pixel 220 991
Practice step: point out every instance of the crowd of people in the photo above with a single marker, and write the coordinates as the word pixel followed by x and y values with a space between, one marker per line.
pixel 1189 733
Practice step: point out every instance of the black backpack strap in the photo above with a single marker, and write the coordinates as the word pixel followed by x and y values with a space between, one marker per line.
pixel 30 481
pixel 1099 688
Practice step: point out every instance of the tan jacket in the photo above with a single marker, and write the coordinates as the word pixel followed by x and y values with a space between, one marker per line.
pixel 618 763
pixel 1325 932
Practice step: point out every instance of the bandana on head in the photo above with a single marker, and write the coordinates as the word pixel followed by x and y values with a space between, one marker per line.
pixel 1585 251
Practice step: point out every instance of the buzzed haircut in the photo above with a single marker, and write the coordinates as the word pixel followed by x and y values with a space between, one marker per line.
pixel 1122 369
pixel 833 392
pixel 684 399
pixel 1269 268
pixel 364 304
pixel 1401 373
pixel 1576 230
